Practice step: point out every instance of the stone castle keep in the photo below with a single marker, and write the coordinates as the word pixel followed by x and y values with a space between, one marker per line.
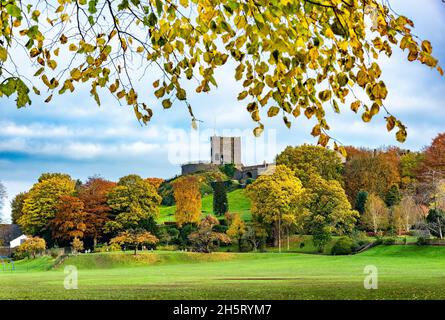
pixel 227 150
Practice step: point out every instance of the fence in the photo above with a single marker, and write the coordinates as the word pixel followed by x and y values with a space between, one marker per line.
pixel 6 251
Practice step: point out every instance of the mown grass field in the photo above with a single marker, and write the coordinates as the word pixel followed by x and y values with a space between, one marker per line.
pixel 238 203
pixel 405 272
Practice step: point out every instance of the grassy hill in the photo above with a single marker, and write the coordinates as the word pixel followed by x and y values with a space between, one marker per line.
pixel 405 272
pixel 238 203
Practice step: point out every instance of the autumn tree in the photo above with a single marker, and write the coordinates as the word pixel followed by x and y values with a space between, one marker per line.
pixel 51 175
pixel 237 229
pixel 434 158
pixel 372 171
pixel 205 239
pixel 133 202
pixel 306 160
pixel 410 163
pixel 134 238
pixel 292 57
pixel 220 201
pixel 155 182
pixel 188 200
pixel 376 217
pixel 330 211
pixel 17 206
pixel 32 246
pixel 77 245
pixel 40 205
pixel 69 221
pixel 406 214
pixel 431 171
pixel 276 199
pixel 94 197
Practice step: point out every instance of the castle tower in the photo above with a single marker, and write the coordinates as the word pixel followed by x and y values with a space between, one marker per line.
pixel 225 150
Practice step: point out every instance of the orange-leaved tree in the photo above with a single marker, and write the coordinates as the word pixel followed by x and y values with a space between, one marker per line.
pixel 94 196
pixel 70 219
pixel 188 200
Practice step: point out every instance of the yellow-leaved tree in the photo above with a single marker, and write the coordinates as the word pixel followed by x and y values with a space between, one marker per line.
pixel 237 229
pixel 187 199
pixel 277 199
pixel 40 205
pixel 293 57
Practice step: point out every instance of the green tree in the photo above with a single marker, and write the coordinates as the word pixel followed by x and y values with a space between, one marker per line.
pixel 360 202
pixel 410 163
pixel 228 169
pixel 277 199
pixel 133 201
pixel 220 201
pixel 436 222
pixel 307 160
pixel 17 206
pixel 330 210
pixel 205 239
pixel 292 57
pixel 393 196
pixel 40 205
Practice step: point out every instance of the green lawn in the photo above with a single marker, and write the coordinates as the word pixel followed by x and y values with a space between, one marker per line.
pixel 405 272
pixel 238 203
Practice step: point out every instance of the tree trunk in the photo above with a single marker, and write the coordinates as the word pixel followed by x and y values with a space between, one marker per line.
pixel 440 228
pixel 288 242
pixel 279 234
pixel 239 244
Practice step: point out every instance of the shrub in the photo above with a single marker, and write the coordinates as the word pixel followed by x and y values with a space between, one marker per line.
pixel 108 248
pixel 31 247
pixel 343 246
pixel 422 241
pixel 54 253
pixel 77 245
pixel 389 241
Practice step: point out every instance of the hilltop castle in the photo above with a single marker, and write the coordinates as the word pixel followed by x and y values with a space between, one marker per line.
pixel 227 150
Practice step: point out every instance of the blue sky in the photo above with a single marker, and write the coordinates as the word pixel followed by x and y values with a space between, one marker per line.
pixel 73 135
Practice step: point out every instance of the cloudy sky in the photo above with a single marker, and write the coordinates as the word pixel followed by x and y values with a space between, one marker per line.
pixel 73 135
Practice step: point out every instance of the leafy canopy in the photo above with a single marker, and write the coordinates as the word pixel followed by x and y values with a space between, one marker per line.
pixel 293 57
pixel 133 201
pixel 40 204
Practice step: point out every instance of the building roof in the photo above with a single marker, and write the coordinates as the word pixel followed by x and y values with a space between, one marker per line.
pixel 9 232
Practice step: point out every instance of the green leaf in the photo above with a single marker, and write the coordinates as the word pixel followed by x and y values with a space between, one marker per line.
pixel 8 87
pixel 14 11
